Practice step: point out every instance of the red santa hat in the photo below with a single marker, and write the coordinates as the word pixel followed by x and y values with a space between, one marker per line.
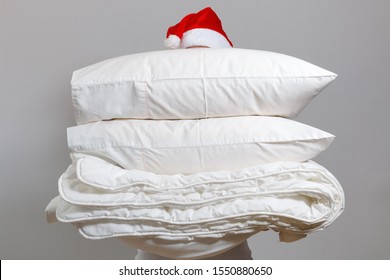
pixel 199 29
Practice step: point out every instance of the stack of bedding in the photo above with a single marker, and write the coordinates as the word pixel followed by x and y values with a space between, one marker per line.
pixel 187 153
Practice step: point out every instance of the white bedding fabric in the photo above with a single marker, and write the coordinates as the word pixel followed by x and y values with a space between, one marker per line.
pixel 196 83
pixel 222 208
pixel 191 146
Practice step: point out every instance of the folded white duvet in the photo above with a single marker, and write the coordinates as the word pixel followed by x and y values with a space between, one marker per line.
pixel 220 207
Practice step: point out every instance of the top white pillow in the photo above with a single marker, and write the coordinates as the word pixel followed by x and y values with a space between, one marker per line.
pixel 196 83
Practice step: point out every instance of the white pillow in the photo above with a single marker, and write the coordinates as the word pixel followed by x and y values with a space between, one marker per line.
pixel 190 146
pixel 196 83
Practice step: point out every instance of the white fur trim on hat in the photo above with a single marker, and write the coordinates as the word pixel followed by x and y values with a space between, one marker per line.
pixel 172 42
pixel 204 37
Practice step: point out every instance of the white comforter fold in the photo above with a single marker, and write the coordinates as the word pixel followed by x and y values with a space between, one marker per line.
pixel 104 200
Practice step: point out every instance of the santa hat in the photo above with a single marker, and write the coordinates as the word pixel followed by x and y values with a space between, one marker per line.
pixel 199 29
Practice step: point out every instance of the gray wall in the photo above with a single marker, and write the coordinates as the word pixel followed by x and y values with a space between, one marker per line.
pixel 44 41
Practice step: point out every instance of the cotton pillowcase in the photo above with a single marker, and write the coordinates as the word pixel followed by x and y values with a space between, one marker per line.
pixel 191 146
pixel 196 83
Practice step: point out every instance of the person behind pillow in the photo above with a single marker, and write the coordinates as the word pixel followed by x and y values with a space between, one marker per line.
pixel 201 30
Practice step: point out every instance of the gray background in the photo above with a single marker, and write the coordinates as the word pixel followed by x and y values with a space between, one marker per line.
pixel 44 41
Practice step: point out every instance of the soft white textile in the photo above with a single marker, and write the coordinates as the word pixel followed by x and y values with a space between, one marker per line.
pixel 223 208
pixel 239 252
pixel 196 83
pixel 190 146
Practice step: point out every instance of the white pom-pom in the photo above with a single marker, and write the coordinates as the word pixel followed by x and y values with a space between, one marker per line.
pixel 172 42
